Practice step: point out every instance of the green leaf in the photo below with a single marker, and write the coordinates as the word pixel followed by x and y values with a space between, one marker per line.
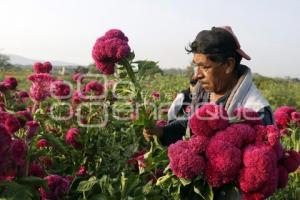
pixel 55 142
pixel 85 186
pixel 161 180
pixel 33 181
pixel 185 181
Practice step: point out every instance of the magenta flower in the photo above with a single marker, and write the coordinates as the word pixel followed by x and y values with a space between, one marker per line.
pixel 47 67
pixel 290 161
pixel 138 160
pixel 36 170
pixel 40 88
pixel 155 95
pixel 18 150
pixel 78 97
pixel 10 82
pixel 187 164
pixel 32 128
pixel 161 123
pixel 224 159
pixel 198 143
pixel 110 49
pixel 238 135
pixel 23 116
pixel 72 137
pixel 176 148
pixel 247 115
pixel 60 89
pixel 94 87
pixel 282 116
pixel 81 171
pixel 42 143
pixel 12 124
pixel 42 68
pixel 3 87
pixel 58 187
pixel 76 76
pixel 5 139
pixel 208 119
pixel 296 118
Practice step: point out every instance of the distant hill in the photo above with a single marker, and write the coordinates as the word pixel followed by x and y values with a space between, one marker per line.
pixel 20 60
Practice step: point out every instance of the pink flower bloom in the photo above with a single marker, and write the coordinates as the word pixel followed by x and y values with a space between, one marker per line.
pixel 18 151
pixel 225 159
pixel 238 135
pixel 78 97
pixel 94 87
pixel 10 82
pixel 161 123
pixel 58 187
pixel 40 88
pixel 198 143
pixel 177 148
pixel 138 160
pixel 32 128
pixel 3 87
pixel 290 161
pixel 60 89
pixel 110 49
pixel 247 115
pixel 47 66
pixel 5 139
pixel 81 171
pixel 76 77
pixel 296 118
pixel 23 116
pixel 42 68
pixel 42 143
pixel 12 124
pixel 187 164
pixel 282 116
pixel 72 137
pixel 36 170
pixel 208 119
pixel 155 95
pixel 251 179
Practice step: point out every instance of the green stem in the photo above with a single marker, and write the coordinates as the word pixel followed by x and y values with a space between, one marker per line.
pixel 128 67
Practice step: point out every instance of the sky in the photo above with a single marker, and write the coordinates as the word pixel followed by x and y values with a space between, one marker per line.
pixel 159 30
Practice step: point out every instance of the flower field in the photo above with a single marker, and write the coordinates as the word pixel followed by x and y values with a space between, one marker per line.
pixel 79 136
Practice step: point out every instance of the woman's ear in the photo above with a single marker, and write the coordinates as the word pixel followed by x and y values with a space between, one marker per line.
pixel 230 64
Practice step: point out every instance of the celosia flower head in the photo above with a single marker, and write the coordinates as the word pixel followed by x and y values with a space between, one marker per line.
pixel 110 49
pixel 208 119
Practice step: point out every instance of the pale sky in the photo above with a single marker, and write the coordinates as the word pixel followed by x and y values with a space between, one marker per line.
pixel 268 30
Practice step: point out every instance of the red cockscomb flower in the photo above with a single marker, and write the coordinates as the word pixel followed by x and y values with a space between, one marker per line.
pixel 72 137
pixel 58 187
pixel 60 89
pixel 110 49
pixel 198 143
pixel 18 150
pixel 187 164
pixel 282 116
pixel 94 87
pixel 10 82
pixel 208 119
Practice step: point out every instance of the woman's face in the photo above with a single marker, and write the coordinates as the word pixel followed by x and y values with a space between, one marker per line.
pixel 213 76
